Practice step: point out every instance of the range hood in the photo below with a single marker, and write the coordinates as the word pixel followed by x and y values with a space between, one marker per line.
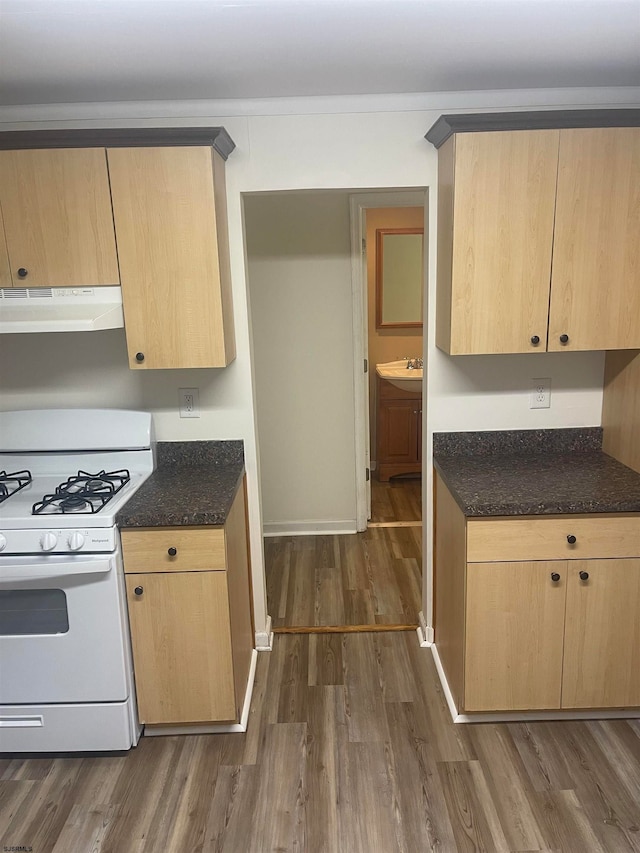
pixel 60 309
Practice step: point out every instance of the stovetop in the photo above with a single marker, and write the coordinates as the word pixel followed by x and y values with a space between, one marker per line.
pixel 50 499
pixel 69 473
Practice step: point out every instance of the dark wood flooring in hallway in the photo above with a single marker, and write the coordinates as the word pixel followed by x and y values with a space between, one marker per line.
pixel 372 578
pixel 350 749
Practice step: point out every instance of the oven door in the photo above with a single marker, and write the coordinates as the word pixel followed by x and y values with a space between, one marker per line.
pixel 61 630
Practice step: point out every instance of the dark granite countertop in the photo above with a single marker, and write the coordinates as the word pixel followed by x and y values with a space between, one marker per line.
pixel 194 483
pixel 566 474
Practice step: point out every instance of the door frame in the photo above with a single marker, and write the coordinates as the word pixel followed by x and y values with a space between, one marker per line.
pixel 358 203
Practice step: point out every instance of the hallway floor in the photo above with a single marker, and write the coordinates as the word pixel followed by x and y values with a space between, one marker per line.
pixel 350 749
pixel 372 578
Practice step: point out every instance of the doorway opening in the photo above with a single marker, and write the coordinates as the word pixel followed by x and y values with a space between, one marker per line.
pixel 326 569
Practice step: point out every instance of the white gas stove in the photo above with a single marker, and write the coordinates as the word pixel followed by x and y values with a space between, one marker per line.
pixel 67 679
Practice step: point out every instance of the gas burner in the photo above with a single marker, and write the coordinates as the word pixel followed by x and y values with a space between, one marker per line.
pixel 83 493
pixel 12 483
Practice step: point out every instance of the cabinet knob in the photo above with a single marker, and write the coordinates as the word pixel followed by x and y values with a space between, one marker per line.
pixel 139 590
pixel 584 576
pixel 139 356
pixel 571 539
pixel 564 339
pixel 23 273
pixel 172 552
pixel 555 576
pixel 535 340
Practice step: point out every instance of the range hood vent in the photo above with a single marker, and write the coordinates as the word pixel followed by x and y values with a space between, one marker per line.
pixel 60 309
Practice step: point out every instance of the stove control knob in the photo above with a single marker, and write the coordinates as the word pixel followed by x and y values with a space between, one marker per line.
pixel 3 541
pixel 76 541
pixel 49 541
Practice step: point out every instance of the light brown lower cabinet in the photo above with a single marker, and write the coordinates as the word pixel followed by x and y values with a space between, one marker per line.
pixel 190 618
pixel 537 634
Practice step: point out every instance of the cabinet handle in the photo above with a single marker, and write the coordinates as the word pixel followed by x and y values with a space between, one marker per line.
pixel 571 539
pixel 555 577
pixel 172 552
pixel 564 339
pixel 584 576
pixel 23 273
pixel 535 340
pixel 139 356
pixel 139 590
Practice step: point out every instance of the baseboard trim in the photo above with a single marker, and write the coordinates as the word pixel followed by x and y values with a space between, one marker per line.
pixel 214 729
pixel 264 639
pixel 525 716
pixel 308 528
pixel 343 629
pixel 425 633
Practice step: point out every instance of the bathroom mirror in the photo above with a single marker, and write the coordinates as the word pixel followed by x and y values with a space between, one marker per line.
pixel 399 266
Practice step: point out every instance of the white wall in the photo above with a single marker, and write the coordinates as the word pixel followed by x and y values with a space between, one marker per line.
pixel 310 144
pixel 299 273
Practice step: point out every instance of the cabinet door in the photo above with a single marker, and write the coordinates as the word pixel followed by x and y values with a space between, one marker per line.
pixel 181 641
pixel 595 287
pixel 514 636
pixel 5 272
pixel 398 431
pixel 602 640
pixel 242 633
pixel 57 217
pixel 503 209
pixel 170 217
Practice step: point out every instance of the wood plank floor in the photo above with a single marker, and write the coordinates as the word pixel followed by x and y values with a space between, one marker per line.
pixel 350 749
pixel 369 578
pixel 397 500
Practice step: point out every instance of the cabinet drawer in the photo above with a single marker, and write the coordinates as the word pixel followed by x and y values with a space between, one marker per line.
pixel 197 549
pixel 498 540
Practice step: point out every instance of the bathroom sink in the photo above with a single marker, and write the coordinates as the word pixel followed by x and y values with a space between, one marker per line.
pixel 397 374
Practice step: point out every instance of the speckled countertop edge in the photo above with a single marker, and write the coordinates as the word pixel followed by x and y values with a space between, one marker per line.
pixel 554 472
pixel 194 483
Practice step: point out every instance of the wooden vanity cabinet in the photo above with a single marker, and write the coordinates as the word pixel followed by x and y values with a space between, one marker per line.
pixel 169 206
pixel 527 621
pixel 399 431
pixel 190 620
pixel 538 241
pixel 58 223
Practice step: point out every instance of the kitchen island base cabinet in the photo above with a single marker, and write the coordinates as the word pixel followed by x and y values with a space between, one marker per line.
pixel 551 622
pixel 191 628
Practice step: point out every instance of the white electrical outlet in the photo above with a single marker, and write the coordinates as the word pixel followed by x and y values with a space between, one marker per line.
pixel 540 394
pixel 189 402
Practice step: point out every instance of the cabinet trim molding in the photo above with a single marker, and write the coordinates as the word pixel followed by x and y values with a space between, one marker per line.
pixel 118 137
pixel 447 125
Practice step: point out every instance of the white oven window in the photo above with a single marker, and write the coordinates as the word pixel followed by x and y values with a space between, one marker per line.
pixel 33 612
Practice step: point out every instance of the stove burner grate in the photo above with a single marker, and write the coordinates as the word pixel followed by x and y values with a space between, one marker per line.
pixel 12 483
pixel 83 493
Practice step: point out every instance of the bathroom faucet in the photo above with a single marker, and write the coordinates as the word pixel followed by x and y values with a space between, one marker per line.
pixel 414 363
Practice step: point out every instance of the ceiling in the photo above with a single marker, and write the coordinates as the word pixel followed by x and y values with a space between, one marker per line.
pixel 58 51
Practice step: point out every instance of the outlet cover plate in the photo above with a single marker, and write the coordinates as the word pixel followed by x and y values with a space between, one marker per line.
pixel 540 394
pixel 189 401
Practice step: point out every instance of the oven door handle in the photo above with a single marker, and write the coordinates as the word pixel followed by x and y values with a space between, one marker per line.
pixel 13 573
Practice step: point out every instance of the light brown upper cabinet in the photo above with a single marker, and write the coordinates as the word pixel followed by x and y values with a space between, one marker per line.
pixel 538 243
pixel 595 282
pixel 57 217
pixel 5 271
pixel 169 207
